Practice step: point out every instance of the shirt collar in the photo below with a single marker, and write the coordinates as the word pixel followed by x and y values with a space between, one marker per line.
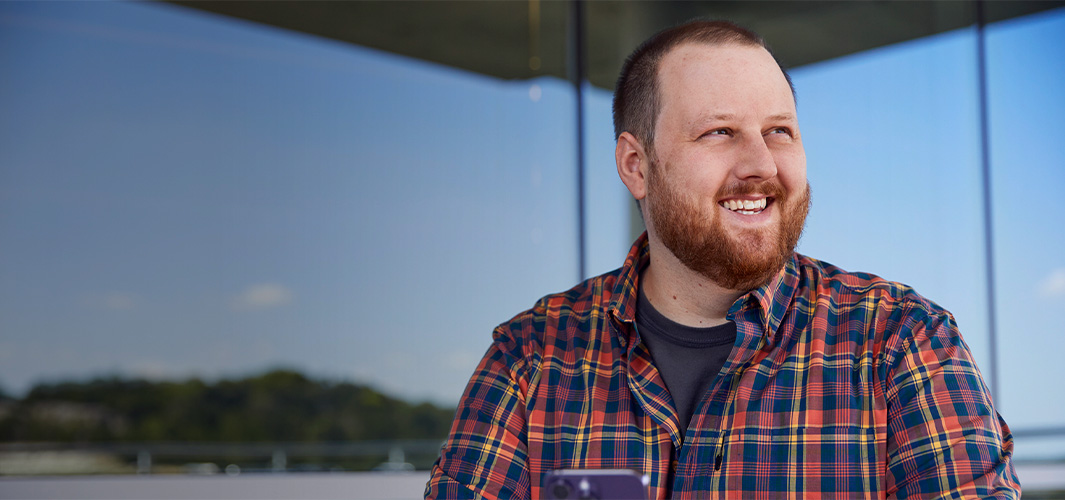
pixel 771 300
pixel 623 300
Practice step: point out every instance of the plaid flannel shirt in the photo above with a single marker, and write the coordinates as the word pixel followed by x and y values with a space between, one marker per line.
pixel 840 385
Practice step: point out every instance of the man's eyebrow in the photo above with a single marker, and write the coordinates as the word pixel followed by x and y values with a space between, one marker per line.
pixel 718 117
pixel 723 117
pixel 705 121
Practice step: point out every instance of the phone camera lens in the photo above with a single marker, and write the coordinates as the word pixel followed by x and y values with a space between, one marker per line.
pixel 560 490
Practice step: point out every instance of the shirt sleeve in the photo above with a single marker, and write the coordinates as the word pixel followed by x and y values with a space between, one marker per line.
pixel 945 439
pixel 485 455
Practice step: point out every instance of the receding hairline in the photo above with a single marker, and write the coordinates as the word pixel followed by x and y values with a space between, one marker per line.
pixel 637 95
pixel 659 65
pixel 717 44
pixel 696 42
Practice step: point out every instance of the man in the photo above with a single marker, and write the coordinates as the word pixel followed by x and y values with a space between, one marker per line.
pixel 717 361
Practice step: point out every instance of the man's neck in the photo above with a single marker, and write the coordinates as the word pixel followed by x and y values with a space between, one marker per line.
pixel 681 294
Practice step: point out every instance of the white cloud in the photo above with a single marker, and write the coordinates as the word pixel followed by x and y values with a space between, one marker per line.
pixel 1054 284
pixel 262 296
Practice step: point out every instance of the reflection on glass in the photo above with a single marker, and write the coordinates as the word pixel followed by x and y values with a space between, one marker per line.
pixel 608 205
pixel 183 194
pixel 1024 58
pixel 892 143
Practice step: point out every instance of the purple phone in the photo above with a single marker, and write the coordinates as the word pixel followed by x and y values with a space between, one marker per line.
pixel 600 484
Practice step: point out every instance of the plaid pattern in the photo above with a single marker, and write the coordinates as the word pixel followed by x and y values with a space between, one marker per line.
pixel 840 385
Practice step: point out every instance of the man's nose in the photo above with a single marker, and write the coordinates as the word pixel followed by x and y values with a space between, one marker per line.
pixel 755 160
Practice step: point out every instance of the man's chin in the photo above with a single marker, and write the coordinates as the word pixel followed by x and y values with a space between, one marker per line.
pixel 747 264
pixel 753 245
pixel 750 278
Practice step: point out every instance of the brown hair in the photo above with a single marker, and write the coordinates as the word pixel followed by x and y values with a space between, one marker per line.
pixel 636 99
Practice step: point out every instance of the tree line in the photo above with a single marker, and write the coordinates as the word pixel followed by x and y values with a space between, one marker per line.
pixel 280 405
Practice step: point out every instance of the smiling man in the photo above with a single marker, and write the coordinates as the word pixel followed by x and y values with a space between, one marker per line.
pixel 716 360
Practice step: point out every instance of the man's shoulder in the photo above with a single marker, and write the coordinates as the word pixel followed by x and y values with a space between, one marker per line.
pixel 861 289
pixel 591 295
pixel 564 312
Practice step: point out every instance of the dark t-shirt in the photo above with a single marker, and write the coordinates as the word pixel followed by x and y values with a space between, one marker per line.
pixel 687 357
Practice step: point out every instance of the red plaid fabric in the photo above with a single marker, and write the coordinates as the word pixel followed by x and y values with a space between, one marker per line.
pixel 840 385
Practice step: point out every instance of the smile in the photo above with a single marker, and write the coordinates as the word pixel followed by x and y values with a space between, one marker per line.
pixel 745 207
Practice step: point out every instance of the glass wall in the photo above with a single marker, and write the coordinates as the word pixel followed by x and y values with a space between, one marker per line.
pixel 894 147
pixel 184 194
pixel 609 211
pixel 1025 71
pixel 892 139
pixel 893 142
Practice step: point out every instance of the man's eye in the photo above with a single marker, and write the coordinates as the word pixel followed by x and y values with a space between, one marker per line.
pixel 781 130
pixel 719 131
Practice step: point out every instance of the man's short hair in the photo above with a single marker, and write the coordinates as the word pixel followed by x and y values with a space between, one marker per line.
pixel 636 95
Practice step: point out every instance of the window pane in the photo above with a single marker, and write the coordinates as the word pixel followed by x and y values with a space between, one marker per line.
pixel 608 204
pixel 181 193
pixel 1024 58
pixel 892 142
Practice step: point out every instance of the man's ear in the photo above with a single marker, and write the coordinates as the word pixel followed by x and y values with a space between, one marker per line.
pixel 633 163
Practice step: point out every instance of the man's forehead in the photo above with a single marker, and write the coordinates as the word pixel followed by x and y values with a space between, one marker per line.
pixel 725 56
pixel 706 120
pixel 694 71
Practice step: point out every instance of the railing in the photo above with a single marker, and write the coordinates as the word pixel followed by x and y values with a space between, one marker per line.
pixel 1035 476
pixel 277 455
pixel 1039 432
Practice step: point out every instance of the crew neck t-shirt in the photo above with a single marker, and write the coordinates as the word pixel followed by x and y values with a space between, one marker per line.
pixel 687 357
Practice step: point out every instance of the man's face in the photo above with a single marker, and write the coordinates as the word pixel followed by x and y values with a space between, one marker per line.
pixel 726 189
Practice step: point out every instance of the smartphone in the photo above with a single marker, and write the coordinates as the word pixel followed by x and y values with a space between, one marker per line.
pixel 599 484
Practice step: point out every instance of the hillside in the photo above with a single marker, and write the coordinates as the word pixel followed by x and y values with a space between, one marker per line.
pixel 276 406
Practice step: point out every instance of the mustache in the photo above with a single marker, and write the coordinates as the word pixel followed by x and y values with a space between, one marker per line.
pixel 771 188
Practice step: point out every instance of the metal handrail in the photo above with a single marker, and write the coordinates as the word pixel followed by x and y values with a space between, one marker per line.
pixel 185 449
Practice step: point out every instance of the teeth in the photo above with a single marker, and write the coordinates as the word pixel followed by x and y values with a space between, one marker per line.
pixel 746 207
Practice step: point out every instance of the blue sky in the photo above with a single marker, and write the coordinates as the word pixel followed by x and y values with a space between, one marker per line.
pixel 182 194
pixel 186 195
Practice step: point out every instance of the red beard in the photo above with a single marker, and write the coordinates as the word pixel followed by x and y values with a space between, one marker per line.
pixel 736 261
